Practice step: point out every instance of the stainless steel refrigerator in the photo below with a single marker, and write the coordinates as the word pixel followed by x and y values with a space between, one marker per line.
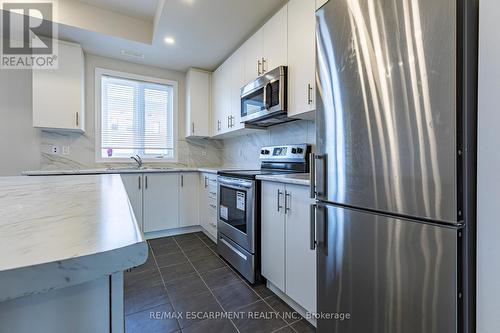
pixel 393 174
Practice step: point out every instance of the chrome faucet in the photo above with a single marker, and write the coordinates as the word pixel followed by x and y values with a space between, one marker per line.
pixel 137 160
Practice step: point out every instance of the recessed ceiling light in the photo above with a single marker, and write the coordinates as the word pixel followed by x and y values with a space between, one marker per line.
pixel 169 40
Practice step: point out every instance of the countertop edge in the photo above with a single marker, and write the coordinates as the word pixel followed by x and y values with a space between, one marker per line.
pixel 37 279
pixel 284 179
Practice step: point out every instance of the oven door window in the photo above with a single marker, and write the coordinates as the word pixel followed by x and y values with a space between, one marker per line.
pixel 232 208
pixel 253 103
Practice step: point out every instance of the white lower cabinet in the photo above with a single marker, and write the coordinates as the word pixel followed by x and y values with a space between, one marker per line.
pixel 208 203
pixel 287 260
pixel 273 234
pixel 188 196
pixel 300 260
pixel 170 200
pixel 133 185
pixel 161 201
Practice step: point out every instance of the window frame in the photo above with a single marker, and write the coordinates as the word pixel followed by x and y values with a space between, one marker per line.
pixel 99 72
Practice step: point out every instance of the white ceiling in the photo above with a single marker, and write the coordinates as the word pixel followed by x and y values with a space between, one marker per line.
pixel 206 31
pixel 141 9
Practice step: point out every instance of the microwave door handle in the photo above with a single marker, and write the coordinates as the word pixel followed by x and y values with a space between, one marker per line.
pixel 266 106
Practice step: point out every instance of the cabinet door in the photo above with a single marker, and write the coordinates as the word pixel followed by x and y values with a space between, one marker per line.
pixel 133 185
pixel 275 40
pixel 203 205
pixel 300 259
pixel 58 93
pixel 197 103
pixel 301 49
pixel 188 205
pixel 273 234
pixel 253 56
pixel 161 201
pixel 221 98
pixel 237 82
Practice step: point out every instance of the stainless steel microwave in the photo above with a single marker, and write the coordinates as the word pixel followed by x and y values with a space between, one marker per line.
pixel 263 101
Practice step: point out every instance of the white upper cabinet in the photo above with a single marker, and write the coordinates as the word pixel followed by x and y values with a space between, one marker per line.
pixel 58 94
pixel 237 82
pixel 253 56
pixel 221 100
pixel 301 59
pixel 197 103
pixel 275 41
pixel 266 49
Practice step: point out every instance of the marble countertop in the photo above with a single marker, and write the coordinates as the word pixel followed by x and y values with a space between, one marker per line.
pixel 294 178
pixel 60 231
pixel 119 170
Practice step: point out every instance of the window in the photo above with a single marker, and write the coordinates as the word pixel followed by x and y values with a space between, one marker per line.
pixel 136 117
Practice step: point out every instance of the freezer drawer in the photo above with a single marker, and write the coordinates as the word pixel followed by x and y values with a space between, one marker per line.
pixel 389 275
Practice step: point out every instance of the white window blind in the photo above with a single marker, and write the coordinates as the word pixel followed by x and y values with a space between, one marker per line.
pixel 136 118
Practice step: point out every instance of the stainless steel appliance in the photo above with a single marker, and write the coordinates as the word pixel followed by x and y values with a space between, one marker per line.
pixel 393 173
pixel 263 101
pixel 238 206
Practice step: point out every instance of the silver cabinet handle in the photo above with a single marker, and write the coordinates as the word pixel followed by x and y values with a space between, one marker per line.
pixel 218 125
pixel 309 94
pixel 77 119
pixel 258 67
pixel 312 175
pixel 279 206
pixel 146 181
pixel 228 122
pixel 288 198
pixel 206 181
pixel 182 180
pixel 263 65
pixel 213 206
pixel 312 228
pixel 139 178
pixel 192 128
pixel 213 193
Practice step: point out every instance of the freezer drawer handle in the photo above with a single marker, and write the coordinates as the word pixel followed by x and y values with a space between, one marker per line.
pixel 312 230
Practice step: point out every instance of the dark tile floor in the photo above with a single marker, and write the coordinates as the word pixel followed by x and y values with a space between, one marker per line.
pixel 184 281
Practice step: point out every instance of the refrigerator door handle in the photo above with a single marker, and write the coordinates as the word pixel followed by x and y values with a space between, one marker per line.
pixel 312 230
pixel 312 175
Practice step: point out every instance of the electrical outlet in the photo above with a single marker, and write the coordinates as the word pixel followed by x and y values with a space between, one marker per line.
pixel 65 150
pixel 54 150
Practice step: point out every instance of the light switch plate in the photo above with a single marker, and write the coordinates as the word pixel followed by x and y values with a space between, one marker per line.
pixel 65 150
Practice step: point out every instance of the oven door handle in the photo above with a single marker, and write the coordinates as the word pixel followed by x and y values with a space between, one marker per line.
pixel 236 185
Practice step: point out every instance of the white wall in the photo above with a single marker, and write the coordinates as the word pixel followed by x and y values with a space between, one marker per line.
pixel 19 141
pixel 488 205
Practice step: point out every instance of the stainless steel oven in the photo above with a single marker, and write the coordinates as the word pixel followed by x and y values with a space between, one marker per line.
pixel 238 205
pixel 236 211
pixel 263 101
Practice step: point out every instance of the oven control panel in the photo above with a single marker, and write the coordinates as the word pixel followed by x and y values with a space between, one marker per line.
pixel 285 153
